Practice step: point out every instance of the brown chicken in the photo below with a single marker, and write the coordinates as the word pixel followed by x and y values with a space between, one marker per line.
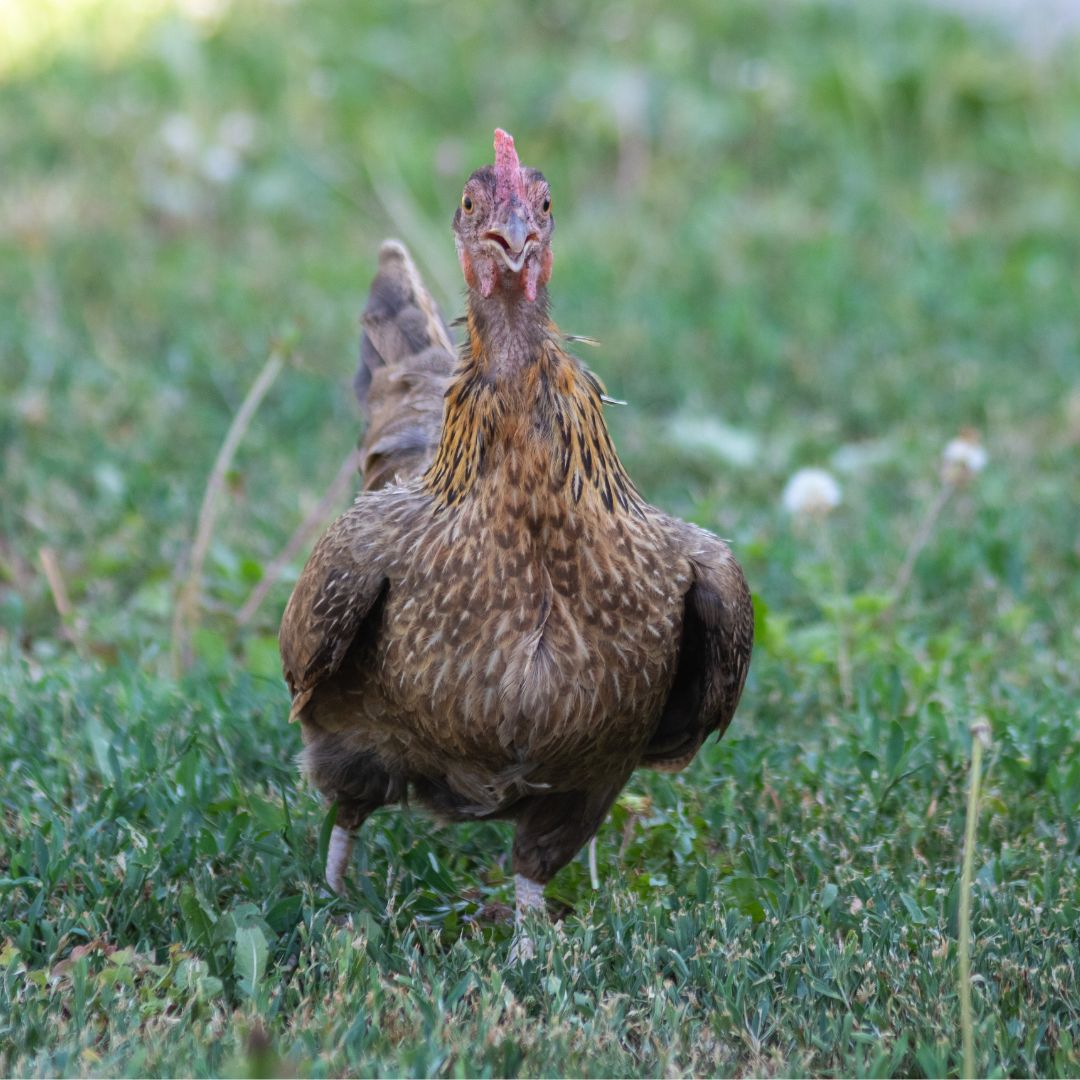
pixel 501 625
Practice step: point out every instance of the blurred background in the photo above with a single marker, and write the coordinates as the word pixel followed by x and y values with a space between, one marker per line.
pixel 817 233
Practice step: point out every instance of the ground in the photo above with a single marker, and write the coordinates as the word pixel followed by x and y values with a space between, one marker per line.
pixel 805 235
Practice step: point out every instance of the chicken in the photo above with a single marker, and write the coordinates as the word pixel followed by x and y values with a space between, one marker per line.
pixel 501 626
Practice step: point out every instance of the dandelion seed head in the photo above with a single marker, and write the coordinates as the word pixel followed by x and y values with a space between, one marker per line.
pixel 181 136
pixel 220 164
pixel 962 458
pixel 811 493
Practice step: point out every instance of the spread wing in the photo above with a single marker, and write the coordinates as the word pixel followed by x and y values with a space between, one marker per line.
pixel 339 590
pixel 714 652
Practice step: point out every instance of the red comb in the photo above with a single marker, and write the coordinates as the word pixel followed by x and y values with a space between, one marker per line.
pixel 507 167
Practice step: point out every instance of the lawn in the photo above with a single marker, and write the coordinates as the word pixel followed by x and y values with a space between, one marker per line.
pixel 805 234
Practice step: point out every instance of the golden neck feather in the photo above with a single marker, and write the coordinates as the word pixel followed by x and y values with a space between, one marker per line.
pixel 547 407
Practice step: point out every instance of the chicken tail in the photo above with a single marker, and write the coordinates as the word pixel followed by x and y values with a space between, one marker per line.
pixel 407 359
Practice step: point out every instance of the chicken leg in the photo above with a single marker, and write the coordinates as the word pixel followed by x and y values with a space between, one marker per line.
pixel 337 857
pixel 551 830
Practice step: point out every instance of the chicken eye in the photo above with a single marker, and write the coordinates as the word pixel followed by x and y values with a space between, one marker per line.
pixel 467 204
pixel 546 204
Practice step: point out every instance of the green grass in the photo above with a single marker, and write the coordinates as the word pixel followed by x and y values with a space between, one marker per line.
pixel 831 235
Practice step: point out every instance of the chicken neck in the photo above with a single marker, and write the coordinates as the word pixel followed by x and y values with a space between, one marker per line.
pixel 507 333
pixel 519 395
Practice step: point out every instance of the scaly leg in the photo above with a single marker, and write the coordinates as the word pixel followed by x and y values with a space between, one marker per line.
pixel 337 857
pixel 342 838
pixel 355 780
pixel 528 896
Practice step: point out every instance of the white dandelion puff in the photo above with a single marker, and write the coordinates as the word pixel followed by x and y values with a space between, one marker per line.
pixel 811 493
pixel 962 458
pixel 181 136
pixel 220 164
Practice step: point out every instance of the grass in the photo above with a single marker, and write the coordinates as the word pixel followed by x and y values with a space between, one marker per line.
pixel 806 234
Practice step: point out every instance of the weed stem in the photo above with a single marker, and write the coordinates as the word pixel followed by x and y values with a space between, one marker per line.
pixel 919 541
pixel 980 737
pixel 69 623
pixel 187 604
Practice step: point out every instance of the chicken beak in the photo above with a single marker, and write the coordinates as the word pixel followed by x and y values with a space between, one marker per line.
pixel 514 231
pixel 512 239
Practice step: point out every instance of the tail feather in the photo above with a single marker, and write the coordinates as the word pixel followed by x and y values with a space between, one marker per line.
pixel 407 359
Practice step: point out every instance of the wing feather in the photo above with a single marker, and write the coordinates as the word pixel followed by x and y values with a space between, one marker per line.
pixel 339 588
pixel 714 653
